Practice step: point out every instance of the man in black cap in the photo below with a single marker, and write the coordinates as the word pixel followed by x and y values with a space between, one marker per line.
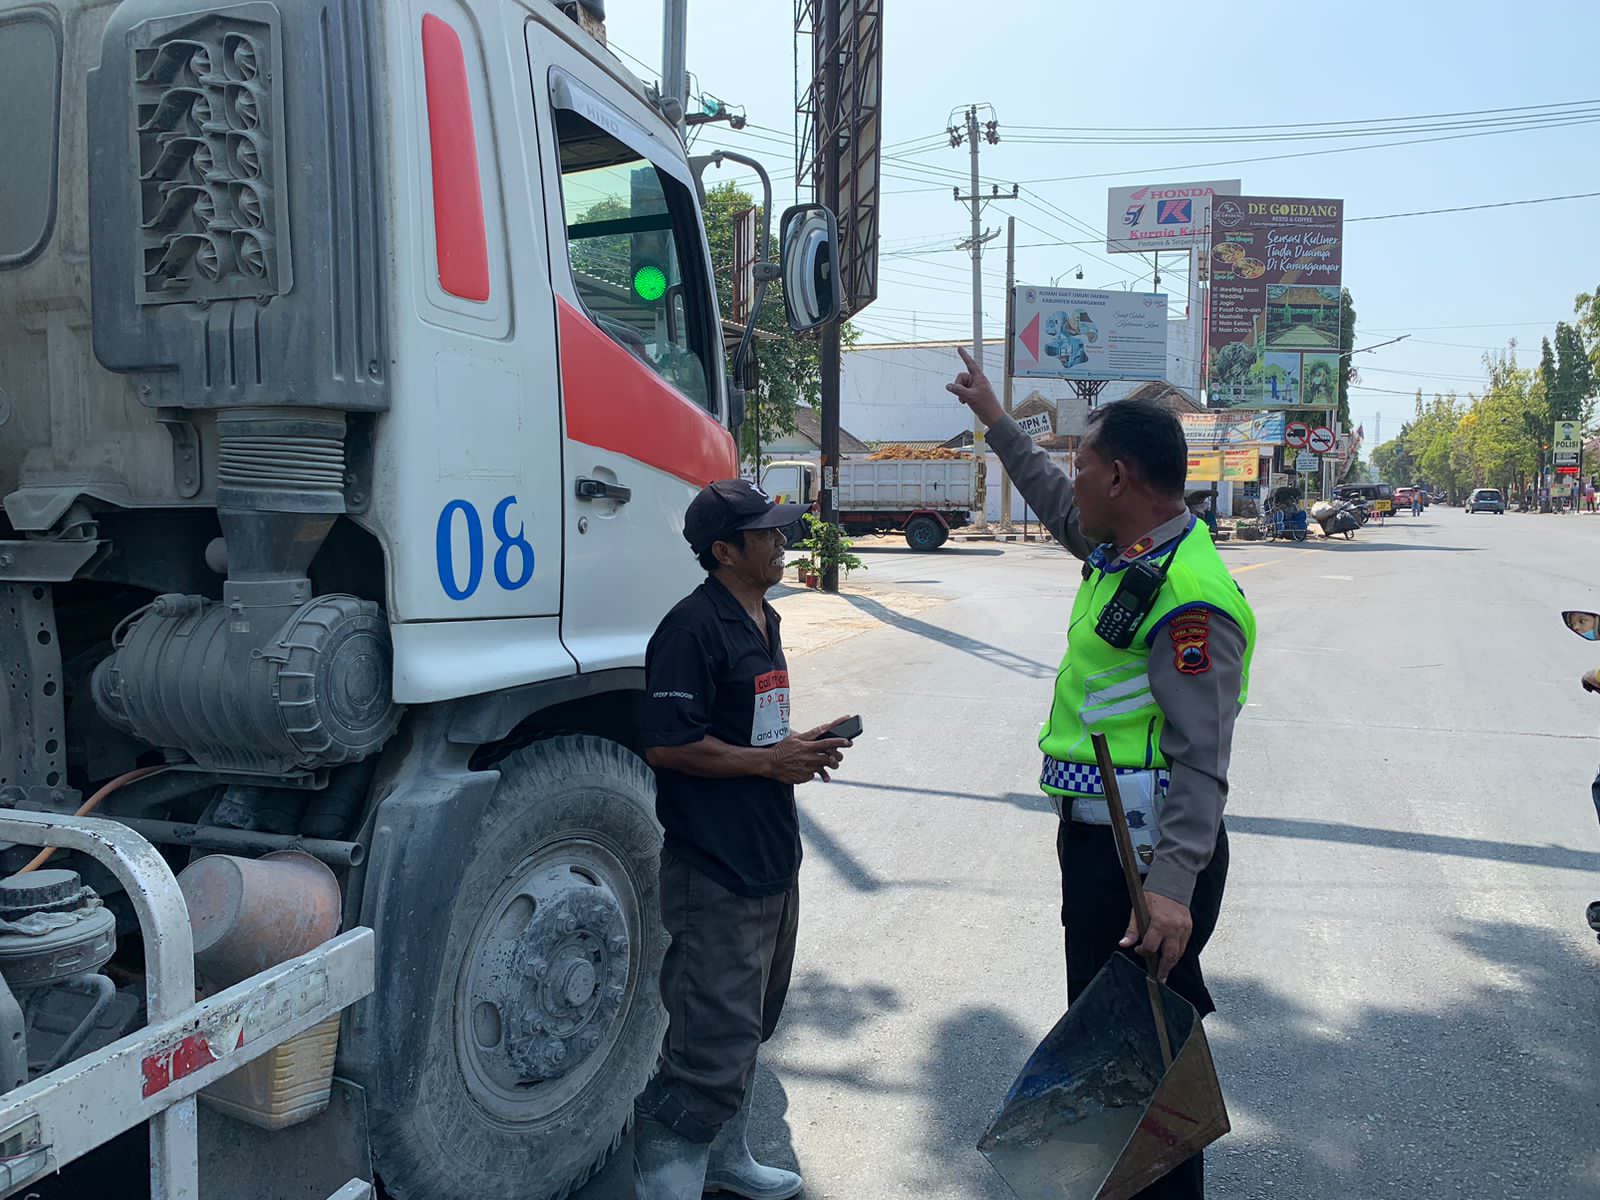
pixel 717 734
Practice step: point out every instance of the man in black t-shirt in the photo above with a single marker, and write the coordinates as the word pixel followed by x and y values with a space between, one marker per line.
pixel 717 734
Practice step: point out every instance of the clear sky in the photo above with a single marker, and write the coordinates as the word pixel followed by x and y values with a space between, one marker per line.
pixel 1458 283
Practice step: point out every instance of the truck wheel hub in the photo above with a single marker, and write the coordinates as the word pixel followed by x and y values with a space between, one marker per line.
pixel 545 982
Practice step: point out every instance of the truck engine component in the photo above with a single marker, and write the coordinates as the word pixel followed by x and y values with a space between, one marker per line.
pixel 311 692
pixel 52 928
pixel 249 914
pixel 284 681
pixel 55 935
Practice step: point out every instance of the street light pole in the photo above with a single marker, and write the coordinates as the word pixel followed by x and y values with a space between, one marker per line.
pixel 1005 358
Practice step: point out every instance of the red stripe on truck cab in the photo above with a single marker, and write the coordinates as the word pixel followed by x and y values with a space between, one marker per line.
pixel 458 231
pixel 614 402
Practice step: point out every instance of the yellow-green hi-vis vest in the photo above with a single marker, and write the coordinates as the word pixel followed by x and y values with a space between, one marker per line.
pixel 1101 689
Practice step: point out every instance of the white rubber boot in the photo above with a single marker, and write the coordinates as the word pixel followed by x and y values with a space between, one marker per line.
pixel 667 1166
pixel 733 1169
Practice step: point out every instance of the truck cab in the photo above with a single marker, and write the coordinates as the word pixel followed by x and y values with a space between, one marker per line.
pixel 356 361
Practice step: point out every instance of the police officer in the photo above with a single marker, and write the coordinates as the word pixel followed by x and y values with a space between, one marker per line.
pixel 1157 660
pixel 717 734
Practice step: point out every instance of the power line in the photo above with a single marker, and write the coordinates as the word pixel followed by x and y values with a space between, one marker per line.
pixel 1495 123
pixel 1359 121
pixel 1483 325
pixel 1230 162
pixel 1429 212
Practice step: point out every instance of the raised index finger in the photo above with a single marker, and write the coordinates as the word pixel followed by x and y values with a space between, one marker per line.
pixel 966 358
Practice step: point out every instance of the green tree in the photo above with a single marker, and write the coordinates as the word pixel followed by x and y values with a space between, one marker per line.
pixel 1508 424
pixel 1439 457
pixel 1571 393
pixel 1391 461
pixel 1347 343
pixel 790 363
pixel 1587 308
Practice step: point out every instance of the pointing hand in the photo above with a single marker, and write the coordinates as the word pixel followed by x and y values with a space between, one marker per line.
pixel 972 388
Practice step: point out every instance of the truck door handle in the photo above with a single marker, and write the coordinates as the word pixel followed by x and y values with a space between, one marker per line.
pixel 599 489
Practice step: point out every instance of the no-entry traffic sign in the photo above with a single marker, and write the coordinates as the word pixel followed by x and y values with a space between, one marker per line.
pixel 1295 434
pixel 1321 440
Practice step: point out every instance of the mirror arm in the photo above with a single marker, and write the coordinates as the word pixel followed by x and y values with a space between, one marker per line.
pixel 763 276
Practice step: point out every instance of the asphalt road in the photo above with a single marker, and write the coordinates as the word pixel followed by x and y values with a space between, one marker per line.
pixel 1409 998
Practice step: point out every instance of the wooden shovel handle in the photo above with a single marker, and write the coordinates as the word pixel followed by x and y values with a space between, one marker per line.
pixel 1130 876
pixel 1119 830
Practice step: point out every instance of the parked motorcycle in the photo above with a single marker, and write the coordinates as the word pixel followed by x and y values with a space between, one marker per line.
pixel 1336 516
pixel 1587 626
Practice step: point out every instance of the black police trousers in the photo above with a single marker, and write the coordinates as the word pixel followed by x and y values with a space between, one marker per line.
pixel 1095 909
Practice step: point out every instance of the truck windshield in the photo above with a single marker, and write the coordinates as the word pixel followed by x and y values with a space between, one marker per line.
pixel 632 242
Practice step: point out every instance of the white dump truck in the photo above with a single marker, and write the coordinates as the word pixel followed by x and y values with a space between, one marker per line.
pixel 358 358
pixel 924 499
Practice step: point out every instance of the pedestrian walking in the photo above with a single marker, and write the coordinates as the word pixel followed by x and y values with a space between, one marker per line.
pixel 717 734
pixel 1157 660
pixel 1416 502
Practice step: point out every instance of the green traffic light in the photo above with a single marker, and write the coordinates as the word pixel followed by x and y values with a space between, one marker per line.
pixel 650 283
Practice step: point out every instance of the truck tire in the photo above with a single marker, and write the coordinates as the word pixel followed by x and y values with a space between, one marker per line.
pixel 924 534
pixel 551 971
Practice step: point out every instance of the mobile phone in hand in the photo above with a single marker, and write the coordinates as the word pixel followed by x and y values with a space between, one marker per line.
pixel 849 729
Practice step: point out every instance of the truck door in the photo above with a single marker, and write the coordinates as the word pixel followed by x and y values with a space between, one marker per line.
pixel 640 353
pixel 784 482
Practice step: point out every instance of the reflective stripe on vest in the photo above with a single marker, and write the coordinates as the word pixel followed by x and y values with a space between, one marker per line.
pixel 1101 689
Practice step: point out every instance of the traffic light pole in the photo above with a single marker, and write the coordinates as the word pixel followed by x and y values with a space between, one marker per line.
pixel 828 145
pixel 1011 318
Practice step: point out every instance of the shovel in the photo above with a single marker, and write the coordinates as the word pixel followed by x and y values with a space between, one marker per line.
pixel 1123 1089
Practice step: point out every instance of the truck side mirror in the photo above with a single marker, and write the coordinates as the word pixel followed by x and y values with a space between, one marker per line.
pixel 808 235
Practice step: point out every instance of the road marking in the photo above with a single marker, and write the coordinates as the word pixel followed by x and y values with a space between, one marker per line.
pixel 1249 567
pixel 1341 578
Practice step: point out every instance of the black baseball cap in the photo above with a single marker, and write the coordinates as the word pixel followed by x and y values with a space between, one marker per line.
pixel 731 506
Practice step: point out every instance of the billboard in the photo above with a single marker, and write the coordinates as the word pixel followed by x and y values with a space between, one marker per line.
pixel 1224 466
pixel 1272 337
pixel 1170 216
pixel 1209 430
pixel 1074 333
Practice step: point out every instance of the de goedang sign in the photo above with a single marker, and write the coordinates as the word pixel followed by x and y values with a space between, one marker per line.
pixel 1275 308
pixel 1171 216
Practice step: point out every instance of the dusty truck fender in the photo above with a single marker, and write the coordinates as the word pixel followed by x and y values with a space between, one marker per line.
pixel 928 512
pixel 419 836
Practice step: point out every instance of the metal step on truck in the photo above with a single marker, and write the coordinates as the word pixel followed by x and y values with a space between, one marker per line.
pixel 357 359
pixel 923 499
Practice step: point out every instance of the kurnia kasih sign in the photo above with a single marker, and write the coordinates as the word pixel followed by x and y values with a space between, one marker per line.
pixel 1273 330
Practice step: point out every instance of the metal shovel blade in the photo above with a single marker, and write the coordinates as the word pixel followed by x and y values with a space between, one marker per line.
pixel 1095 1115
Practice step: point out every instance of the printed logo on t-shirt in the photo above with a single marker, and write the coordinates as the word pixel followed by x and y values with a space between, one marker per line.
pixel 771 723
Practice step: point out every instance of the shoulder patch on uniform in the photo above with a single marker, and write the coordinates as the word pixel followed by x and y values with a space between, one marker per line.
pixel 1190 632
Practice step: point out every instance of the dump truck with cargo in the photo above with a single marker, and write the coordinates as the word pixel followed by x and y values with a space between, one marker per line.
pixel 356 361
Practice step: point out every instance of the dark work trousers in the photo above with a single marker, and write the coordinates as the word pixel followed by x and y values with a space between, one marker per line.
pixel 1095 910
pixel 723 982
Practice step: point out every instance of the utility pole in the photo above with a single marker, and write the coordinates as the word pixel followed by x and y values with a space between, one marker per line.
pixel 675 60
pixel 828 132
pixel 970 133
pixel 1011 320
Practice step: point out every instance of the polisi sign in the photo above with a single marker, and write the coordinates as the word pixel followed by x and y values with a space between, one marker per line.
pixel 1172 216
